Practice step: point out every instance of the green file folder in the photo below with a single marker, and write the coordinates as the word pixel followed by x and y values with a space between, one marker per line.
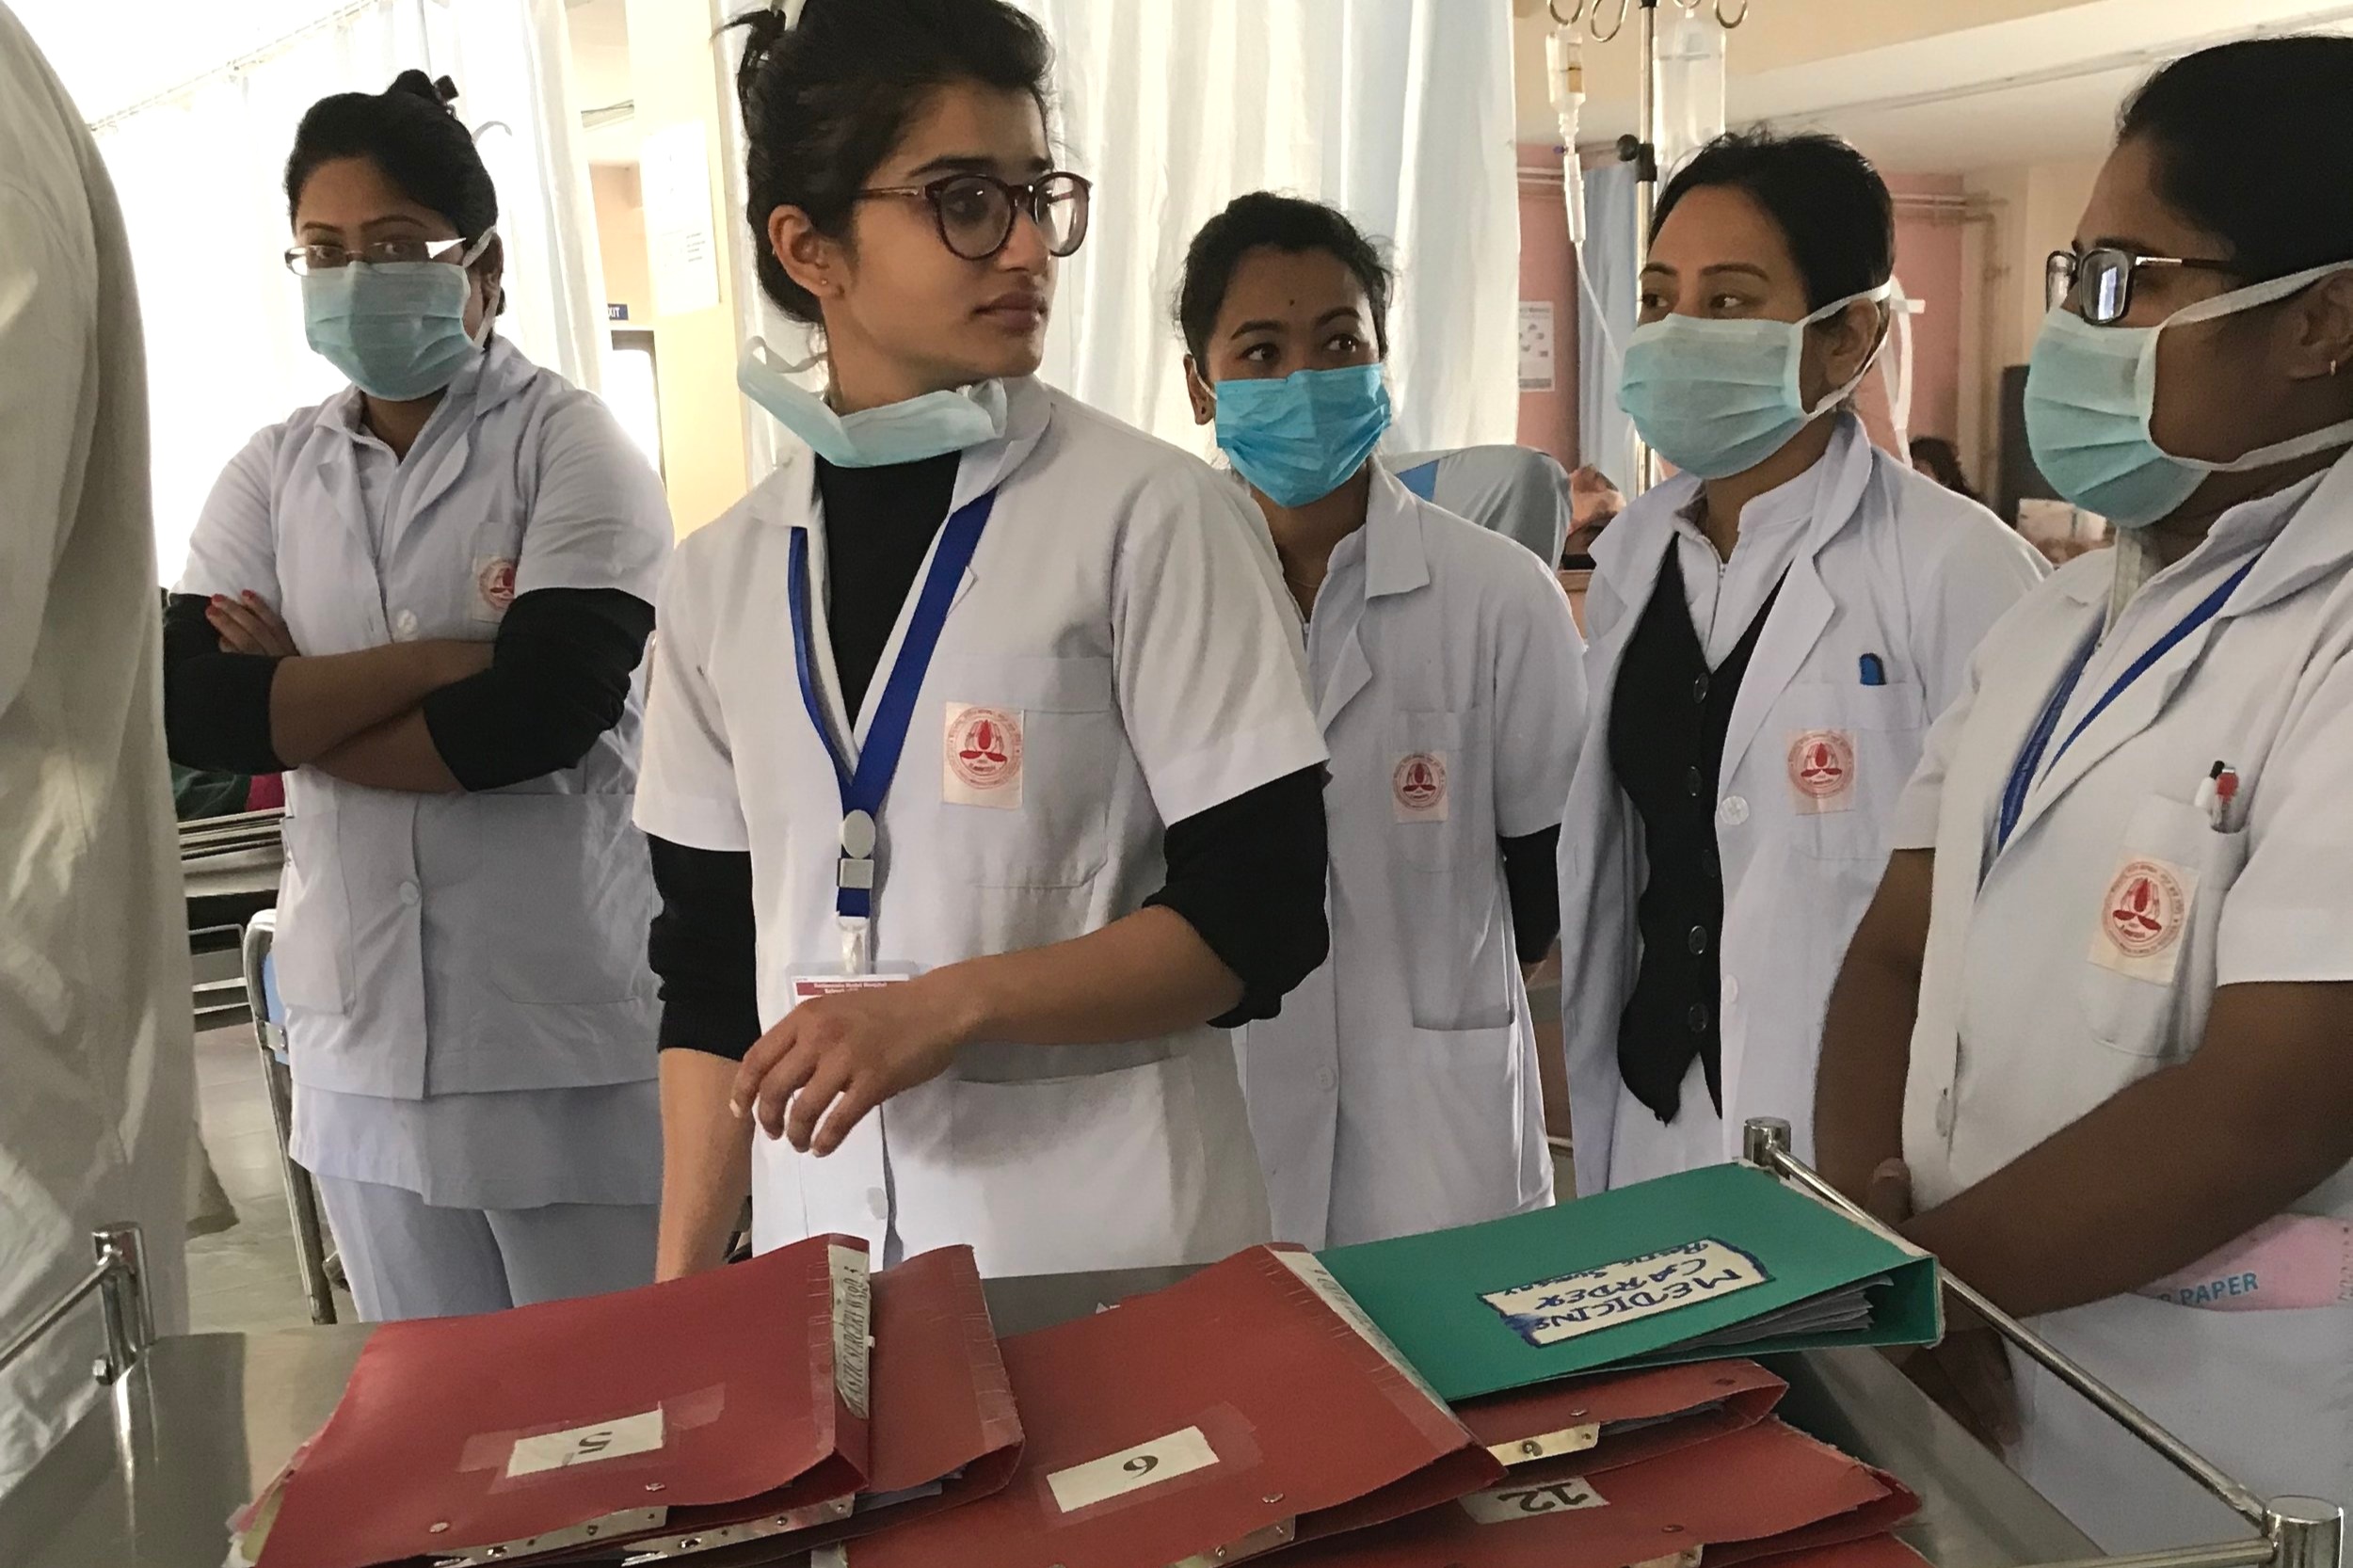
pixel 1709 1263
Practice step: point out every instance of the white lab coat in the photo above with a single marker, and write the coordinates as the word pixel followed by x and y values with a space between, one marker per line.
pixel 1515 491
pixel 1890 564
pixel 2030 1015
pixel 1397 1091
pixel 1120 621
pixel 97 1078
pixel 434 945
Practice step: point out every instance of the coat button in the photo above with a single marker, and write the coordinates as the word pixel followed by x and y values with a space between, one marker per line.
pixel 1697 940
pixel 404 626
pixel 1699 689
pixel 1698 1018
pixel 1694 782
pixel 1732 990
pixel 1735 810
pixel 1326 1078
pixel 408 895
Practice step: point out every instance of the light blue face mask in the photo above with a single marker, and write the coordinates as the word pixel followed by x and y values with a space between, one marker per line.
pixel 932 425
pixel 1299 439
pixel 1715 398
pixel 397 329
pixel 2091 392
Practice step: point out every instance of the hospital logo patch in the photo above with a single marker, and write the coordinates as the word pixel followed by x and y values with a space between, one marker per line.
pixel 1418 785
pixel 2142 919
pixel 494 580
pixel 981 757
pixel 1821 771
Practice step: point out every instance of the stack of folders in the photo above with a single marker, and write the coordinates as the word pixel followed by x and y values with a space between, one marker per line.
pixel 1539 1390
pixel 740 1415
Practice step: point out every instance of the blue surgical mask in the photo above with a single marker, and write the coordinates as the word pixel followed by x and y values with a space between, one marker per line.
pixel 932 425
pixel 1299 439
pixel 397 329
pixel 2089 394
pixel 1715 398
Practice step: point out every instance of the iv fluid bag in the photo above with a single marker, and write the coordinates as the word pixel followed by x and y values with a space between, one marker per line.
pixel 1690 83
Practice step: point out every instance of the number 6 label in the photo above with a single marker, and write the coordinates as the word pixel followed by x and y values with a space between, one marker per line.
pixel 1164 1459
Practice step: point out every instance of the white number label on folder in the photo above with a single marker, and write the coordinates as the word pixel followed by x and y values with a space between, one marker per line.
pixel 1506 1504
pixel 1098 1481
pixel 1574 1305
pixel 558 1450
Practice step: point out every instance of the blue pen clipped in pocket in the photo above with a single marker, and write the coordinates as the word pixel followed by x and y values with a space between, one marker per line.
pixel 1874 673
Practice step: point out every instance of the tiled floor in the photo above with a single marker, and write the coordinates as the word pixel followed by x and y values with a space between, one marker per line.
pixel 243 1278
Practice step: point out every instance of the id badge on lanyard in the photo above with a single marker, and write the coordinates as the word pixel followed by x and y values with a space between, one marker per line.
pixel 2029 763
pixel 863 784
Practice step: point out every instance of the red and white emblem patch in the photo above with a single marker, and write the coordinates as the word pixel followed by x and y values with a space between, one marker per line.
pixel 981 757
pixel 1821 771
pixel 494 580
pixel 1418 784
pixel 2143 917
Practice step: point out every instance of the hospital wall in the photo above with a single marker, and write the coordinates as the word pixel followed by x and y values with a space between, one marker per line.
pixel 672 82
pixel 2030 209
pixel 1548 277
pixel 621 240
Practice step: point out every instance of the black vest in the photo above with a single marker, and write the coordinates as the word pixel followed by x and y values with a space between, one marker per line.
pixel 1668 716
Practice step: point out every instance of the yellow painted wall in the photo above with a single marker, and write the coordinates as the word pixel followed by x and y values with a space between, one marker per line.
pixel 621 238
pixel 2033 211
pixel 674 80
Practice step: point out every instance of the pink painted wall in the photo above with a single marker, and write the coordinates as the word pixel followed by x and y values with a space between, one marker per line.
pixel 1548 272
pixel 1929 253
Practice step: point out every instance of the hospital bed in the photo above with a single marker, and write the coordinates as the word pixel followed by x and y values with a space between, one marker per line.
pixel 196 1425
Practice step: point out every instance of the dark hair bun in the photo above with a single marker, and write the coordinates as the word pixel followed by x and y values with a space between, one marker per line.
pixel 439 92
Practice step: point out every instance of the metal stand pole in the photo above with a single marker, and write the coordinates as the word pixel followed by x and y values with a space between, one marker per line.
pixel 122 1298
pixel 2297 1532
pixel 1646 160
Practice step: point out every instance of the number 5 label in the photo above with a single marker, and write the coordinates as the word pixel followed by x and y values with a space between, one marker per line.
pixel 1164 1459
pixel 559 1450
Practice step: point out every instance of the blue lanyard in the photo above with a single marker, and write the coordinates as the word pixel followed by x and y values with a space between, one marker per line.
pixel 2022 772
pixel 862 785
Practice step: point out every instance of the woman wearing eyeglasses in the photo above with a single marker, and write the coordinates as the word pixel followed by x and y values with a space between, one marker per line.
pixel 981 776
pixel 2098 1007
pixel 425 600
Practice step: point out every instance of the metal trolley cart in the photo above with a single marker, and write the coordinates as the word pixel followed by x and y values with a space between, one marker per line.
pixel 191 1427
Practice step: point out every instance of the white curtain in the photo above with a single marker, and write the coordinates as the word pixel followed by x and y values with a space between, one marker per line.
pixel 1399 112
pixel 1605 317
pixel 200 165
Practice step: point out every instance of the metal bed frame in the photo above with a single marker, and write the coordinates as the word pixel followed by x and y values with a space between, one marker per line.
pixel 315 1259
pixel 2290 1533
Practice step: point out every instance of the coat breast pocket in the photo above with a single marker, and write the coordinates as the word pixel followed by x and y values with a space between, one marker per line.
pixel 2150 941
pixel 1845 753
pixel 1027 749
pixel 486 588
pixel 1427 776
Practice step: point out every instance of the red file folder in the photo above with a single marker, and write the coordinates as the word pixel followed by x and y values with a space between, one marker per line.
pixel 1225 1413
pixel 945 1431
pixel 1624 1418
pixel 1878 1551
pixel 1757 1490
pixel 733 1395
